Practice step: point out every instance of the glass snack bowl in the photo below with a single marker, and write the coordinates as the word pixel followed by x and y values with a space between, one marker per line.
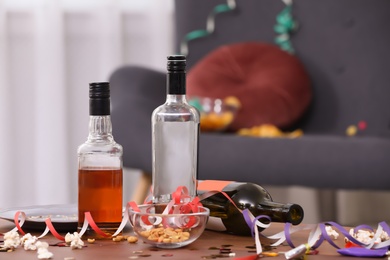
pixel 168 230
pixel 216 114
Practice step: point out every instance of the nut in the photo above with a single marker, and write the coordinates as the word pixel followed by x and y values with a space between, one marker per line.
pixel 132 239
pixel 116 239
pixel 166 235
pixel 91 240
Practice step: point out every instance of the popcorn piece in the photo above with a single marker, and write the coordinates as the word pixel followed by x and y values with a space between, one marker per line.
pixel 45 255
pixel 42 250
pixel 28 242
pixel 361 235
pixel 11 240
pixel 74 240
pixel 41 245
pixel 365 236
pixel 331 232
pixel 384 236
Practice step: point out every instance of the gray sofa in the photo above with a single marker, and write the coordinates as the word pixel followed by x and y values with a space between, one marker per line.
pixel 344 46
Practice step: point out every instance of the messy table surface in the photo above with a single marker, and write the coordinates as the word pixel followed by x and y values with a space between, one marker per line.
pixel 211 245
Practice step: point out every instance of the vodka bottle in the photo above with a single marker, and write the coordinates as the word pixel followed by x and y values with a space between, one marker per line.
pixel 175 131
pixel 224 215
pixel 100 166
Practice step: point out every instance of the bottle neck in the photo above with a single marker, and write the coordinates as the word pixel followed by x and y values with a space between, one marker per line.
pixel 173 98
pixel 100 129
pixel 176 83
pixel 281 212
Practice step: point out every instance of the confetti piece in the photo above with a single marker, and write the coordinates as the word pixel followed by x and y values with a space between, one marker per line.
pixel 312 252
pixel 225 250
pixel 270 254
pixel 251 247
pixel 59 244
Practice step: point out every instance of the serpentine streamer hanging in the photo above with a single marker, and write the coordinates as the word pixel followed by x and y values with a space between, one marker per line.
pixel 210 25
pixel 285 25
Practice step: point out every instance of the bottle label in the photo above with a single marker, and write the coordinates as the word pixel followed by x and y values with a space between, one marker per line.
pixel 213 185
pixel 216 224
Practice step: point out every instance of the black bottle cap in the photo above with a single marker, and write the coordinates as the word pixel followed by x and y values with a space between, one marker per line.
pixel 176 78
pixel 99 98
pixel 176 63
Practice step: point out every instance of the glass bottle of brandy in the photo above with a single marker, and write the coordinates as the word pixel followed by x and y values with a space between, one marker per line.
pixel 100 166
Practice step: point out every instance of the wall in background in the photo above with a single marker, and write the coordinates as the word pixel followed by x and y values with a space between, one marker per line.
pixel 50 51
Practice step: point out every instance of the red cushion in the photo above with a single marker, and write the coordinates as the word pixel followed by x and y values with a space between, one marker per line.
pixel 271 84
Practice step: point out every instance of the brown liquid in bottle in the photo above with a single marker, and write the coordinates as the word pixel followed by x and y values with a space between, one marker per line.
pixel 100 193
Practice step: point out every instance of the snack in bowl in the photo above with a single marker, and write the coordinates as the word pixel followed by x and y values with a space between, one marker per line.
pixel 171 230
pixel 216 114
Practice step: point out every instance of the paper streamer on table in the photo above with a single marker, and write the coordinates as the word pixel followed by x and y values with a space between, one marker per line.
pixel 317 236
pixel 178 196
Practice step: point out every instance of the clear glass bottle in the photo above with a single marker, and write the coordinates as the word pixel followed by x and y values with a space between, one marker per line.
pixel 175 133
pixel 224 215
pixel 100 176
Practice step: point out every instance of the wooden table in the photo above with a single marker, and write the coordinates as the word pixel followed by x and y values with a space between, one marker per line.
pixel 200 249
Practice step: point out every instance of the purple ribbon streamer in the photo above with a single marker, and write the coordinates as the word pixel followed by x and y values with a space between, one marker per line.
pixel 363 252
pixel 252 224
pixel 288 235
pixel 357 251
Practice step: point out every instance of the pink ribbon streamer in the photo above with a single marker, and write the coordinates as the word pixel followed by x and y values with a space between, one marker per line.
pixel 317 236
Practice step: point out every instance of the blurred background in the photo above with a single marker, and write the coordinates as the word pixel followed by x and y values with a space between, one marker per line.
pixel 50 50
